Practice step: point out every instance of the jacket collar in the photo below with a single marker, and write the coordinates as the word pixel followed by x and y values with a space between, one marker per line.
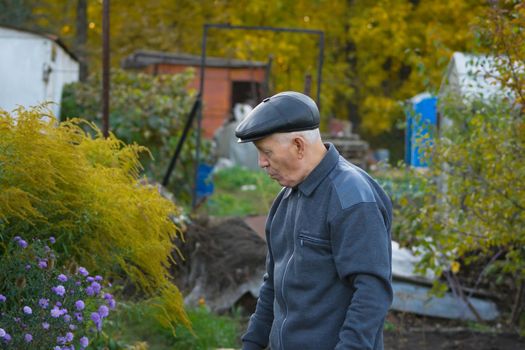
pixel 322 169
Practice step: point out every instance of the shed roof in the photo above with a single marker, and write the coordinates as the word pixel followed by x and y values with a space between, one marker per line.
pixel 143 58
pixel 49 36
pixel 473 76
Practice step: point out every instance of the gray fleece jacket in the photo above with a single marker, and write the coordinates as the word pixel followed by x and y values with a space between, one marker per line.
pixel 328 280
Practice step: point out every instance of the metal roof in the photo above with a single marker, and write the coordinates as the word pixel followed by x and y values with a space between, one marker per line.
pixel 49 36
pixel 474 76
pixel 144 58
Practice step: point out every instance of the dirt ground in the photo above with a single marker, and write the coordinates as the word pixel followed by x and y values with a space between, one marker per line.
pixel 407 332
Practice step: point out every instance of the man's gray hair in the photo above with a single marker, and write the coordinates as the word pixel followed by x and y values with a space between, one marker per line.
pixel 310 136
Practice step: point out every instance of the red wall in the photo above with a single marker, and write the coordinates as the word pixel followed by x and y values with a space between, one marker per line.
pixel 217 90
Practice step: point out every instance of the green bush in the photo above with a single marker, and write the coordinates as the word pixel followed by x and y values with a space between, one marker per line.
pixel 56 180
pixel 146 109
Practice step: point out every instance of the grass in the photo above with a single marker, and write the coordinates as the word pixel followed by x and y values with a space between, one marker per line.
pixel 241 192
pixel 135 326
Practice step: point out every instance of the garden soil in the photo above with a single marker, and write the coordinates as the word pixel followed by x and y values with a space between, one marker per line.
pixel 404 331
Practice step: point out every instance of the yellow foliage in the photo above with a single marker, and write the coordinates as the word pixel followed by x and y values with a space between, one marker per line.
pixel 454 267
pixel 56 179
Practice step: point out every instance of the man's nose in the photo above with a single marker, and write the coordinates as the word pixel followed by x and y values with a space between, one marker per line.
pixel 263 161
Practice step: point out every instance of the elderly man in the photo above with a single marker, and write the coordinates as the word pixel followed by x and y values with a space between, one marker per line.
pixel 328 280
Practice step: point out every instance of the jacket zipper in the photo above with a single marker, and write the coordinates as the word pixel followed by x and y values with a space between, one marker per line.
pixel 286 269
pixel 313 240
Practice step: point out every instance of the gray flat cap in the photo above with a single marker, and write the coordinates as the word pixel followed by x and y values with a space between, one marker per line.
pixel 285 112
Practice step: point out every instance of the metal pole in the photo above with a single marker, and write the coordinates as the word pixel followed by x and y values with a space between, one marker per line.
pixel 185 133
pixel 320 69
pixel 267 28
pixel 199 117
pixel 105 68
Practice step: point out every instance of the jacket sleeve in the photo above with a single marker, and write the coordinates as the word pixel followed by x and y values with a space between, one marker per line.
pixel 361 246
pixel 258 333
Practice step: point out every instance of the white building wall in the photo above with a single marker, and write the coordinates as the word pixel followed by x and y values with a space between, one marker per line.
pixel 24 60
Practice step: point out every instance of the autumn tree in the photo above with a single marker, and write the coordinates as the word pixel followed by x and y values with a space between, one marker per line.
pixel 377 54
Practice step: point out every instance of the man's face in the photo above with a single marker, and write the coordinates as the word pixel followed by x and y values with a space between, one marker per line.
pixel 280 158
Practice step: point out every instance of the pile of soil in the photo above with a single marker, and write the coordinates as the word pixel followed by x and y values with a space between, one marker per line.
pixel 223 261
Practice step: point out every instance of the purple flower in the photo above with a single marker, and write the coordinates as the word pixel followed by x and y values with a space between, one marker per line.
pixel 28 338
pixel 78 316
pixel 108 296
pixel 44 303
pixel 72 327
pixel 96 287
pixel 83 271
pixel 28 267
pixel 42 264
pixel 79 304
pixel 2 298
pixel 7 337
pixel 17 238
pixel 52 240
pixel 103 311
pixel 67 318
pixel 2 333
pixel 69 336
pixel 57 348
pixel 112 303
pixel 55 312
pixel 90 279
pixel 62 278
pixel 59 290
pixel 98 278
pixel 61 340
pixel 27 310
pixel 45 325
pixel 95 317
pixel 22 244
pixel 89 291
pixel 84 342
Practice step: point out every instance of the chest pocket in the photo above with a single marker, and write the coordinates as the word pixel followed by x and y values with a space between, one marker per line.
pixel 308 240
pixel 313 258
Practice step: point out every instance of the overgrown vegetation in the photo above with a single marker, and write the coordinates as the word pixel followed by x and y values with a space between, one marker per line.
pixel 57 180
pixel 468 211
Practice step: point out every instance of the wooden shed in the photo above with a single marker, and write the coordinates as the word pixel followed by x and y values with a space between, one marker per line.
pixel 227 81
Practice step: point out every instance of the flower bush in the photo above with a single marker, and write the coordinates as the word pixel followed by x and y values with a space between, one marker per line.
pixel 58 180
pixel 43 307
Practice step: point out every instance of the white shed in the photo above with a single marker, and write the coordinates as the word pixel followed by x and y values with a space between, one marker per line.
pixel 34 67
pixel 469 77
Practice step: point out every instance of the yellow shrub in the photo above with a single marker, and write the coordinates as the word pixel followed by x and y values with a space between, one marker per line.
pixel 57 180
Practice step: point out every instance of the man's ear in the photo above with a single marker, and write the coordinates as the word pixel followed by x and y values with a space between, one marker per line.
pixel 299 146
